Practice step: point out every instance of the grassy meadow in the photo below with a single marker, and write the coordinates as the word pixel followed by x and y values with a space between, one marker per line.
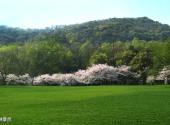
pixel 85 105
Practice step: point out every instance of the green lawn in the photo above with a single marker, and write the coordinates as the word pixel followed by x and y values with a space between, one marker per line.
pixel 86 105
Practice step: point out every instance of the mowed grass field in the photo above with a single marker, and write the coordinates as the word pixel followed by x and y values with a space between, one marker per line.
pixel 86 105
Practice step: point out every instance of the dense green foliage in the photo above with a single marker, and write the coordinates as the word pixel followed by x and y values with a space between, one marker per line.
pixel 50 56
pixel 113 29
pixel 106 105
pixel 8 35
pixel 116 29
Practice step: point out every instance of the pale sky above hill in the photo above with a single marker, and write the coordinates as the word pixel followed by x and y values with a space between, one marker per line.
pixel 44 13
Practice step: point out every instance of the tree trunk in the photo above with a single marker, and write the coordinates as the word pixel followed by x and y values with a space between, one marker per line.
pixel 166 81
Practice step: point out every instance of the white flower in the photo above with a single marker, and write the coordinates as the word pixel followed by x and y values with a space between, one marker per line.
pixel 150 79
pixel 97 74
pixel 164 74
pixel 12 79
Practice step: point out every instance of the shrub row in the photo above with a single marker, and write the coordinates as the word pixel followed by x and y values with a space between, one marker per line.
pixel 96 75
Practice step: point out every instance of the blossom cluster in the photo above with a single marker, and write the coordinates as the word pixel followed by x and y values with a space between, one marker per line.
pixel 95 75
pixel 162 77
pixel 165 73
pixel 13 79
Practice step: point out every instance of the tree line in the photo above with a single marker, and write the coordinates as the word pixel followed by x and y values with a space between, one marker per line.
pixel 52 56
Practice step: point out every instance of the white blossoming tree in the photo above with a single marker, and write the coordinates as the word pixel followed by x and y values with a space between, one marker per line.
pixel 164 75
pixel 12 79
pixel 95 75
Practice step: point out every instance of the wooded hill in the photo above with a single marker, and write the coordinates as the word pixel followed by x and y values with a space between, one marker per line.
pixel 109 30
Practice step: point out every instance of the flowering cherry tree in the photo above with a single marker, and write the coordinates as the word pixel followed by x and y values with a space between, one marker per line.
pixel 97 74
pixel 164 75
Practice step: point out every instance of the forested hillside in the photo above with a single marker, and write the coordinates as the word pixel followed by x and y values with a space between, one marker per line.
pixel 8 35
pixel 114 29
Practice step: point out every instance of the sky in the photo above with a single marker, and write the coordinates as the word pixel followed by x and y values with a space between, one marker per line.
pixel 47 13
